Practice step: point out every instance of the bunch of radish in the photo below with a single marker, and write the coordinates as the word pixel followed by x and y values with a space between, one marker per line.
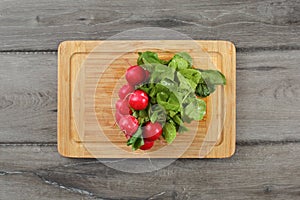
pixel 136 100
pixel 162 96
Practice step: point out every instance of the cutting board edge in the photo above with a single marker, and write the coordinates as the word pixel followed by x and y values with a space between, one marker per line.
pixel 61 140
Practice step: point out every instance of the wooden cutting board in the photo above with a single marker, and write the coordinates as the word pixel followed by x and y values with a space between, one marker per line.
pixel 89 76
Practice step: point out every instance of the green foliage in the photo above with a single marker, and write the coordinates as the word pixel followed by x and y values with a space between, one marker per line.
pixel 174 88
pixel 136 140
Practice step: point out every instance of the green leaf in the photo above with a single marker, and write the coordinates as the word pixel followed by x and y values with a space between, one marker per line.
pixel 138 143
pixel 169 132
pixel 157 89
pixel 162 98
pixel 184 84
pixel 186 57
pixel 168 101
pixel 148 67
pixel 149 57
pixel 169 84
pixel 135 113
pixel 213 77
pixel 154 117
pixel 192 76
pixel 172 113
pixel 143 120
pixel 182 129
pixel 195 110
pixel 157 114
pixel 210 79
pixel 161 72
pixel 202 90
pixel 143 116
pixel 177 119
pixel 178 63
pixel 136 140
pixel 145 88
pixel 143 113
pixel 181 60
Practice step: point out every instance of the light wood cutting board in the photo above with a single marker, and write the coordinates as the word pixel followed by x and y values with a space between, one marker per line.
pixel 89 76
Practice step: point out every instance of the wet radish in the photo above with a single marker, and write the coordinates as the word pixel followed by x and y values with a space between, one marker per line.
pixel 118 116
pixel 147 145
pixel 138 100
pixel 152 131
pixel 129 125
pixel 123 107
pixel 125 90
pixel 135 75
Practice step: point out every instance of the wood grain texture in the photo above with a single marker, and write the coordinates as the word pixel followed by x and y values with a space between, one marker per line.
pixel 28 97
pixel 266 165
pixel 255 172
pixel 85 106
pixel 268 95
pixel 40 25
pixel 268 91
pixel 19 180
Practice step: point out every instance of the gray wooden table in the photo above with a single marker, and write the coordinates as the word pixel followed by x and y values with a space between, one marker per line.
pixel 267 160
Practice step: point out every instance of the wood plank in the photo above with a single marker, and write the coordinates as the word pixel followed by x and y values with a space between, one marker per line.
pixel 268 98
pixel 40 25
pixel 28 89
pixel 15 187
pixel 268 95
pixel 18 179
pixel 255 172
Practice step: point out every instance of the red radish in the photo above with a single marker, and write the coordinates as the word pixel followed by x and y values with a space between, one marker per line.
pixel 147 145
pixel 118 116
pixel 125 90
pixel 152 131
pixel 138 100
pixel 123 107
pixel 135 75
pixel 129 124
